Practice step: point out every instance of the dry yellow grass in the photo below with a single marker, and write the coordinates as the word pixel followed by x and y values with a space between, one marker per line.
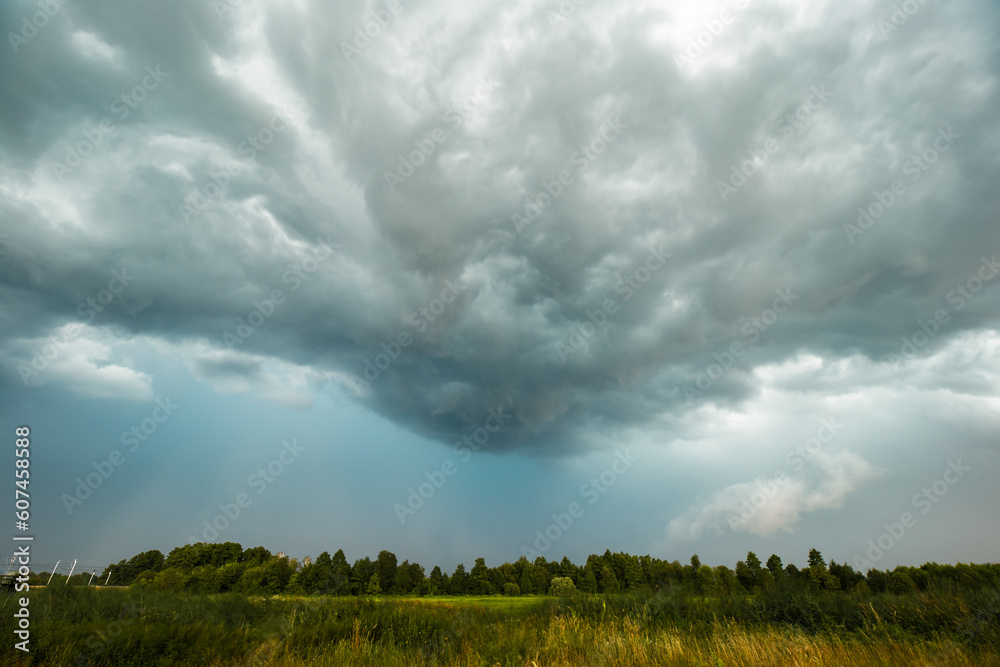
pixel 574 642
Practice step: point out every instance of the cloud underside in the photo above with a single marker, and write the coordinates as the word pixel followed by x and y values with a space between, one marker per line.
pixel 562 249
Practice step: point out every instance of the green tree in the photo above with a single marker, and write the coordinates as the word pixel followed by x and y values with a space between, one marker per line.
pixel 562 587
pixel 899 582
pixel 568 568
pixel 508 573
pixel 125 572
pixel 674 572
pixel 170 579
pixel 608 582
pixel 340 582
pixel 877 580
pixel 360 574
pixel 373 587
pixel 436 585
pixel 229 576
pixel 774 566
pixel 527 581
pixel 691 572
pixel 753 564
pixel 766 580
pixel 542 574
pixel 385 565
pixel 588 582
pixel 706 582
pixel 143 581
pixel 203 579
pixel 227 552
pixel 459 581
pixel 628 571
pixel 845 574
pixel 187 557
pixel 818 575
pixel 314 577
pixel 256 556
pixel 744 576
pixel 409 579
pixel 727 582
pixel 277 573
pixel 479 579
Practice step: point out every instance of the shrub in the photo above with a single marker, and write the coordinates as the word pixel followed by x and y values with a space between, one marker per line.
pixel 562 587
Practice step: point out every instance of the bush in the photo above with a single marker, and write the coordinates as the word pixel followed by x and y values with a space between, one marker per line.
pixel 171 579
pixel 562 587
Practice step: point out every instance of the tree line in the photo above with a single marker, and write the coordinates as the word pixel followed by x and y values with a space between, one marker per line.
pixel 228 567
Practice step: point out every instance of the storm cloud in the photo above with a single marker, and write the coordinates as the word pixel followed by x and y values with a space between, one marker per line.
pixel 613 222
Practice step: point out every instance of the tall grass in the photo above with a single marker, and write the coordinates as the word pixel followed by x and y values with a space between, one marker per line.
pixel 78 626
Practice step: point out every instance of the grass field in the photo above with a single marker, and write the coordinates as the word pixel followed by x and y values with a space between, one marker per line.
pixel 510 605
pixel 77 626
pixel 513 606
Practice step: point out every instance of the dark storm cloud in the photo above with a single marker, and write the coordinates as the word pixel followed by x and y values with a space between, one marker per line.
pixel 228 368
pixel 562 320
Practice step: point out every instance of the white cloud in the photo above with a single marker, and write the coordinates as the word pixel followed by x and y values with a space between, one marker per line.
pixel 767 506
pixel 234 372
pixel 82 359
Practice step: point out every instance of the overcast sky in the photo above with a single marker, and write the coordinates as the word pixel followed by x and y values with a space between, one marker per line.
pixel 420 276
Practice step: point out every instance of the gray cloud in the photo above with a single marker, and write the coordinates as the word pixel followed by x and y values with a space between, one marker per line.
pixel 228 367
pixel 523 294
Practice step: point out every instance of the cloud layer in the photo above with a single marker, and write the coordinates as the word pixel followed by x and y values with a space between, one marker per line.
pixel 611 222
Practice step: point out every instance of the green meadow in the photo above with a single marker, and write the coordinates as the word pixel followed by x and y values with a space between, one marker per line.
pixel 77 626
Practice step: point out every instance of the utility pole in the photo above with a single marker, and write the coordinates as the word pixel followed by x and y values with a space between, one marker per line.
pixel 109 577
pixel 71 572
pixel 53 573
